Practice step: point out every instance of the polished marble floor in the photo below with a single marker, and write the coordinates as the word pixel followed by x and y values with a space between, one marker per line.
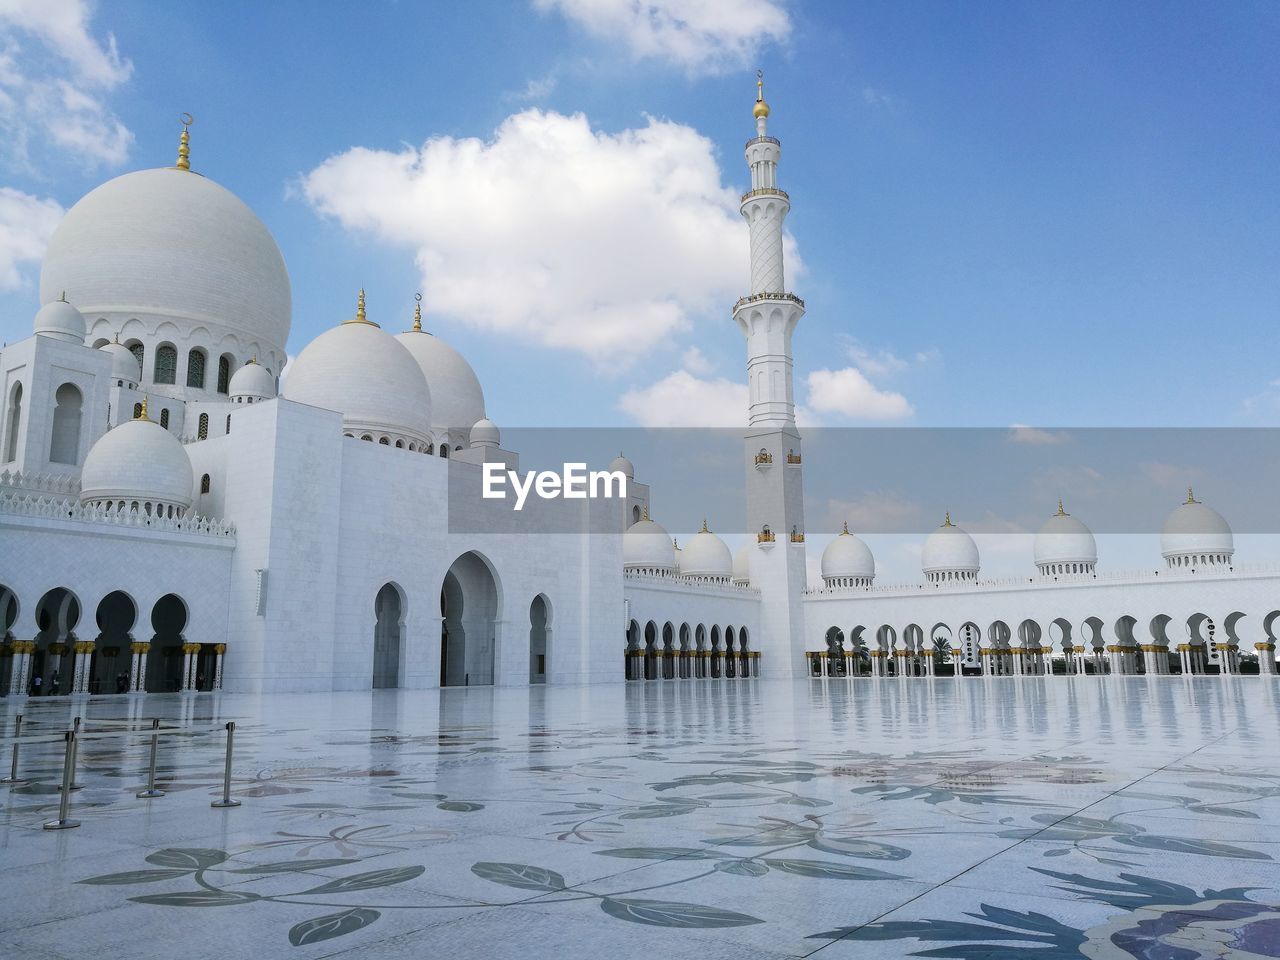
pixel 1047 818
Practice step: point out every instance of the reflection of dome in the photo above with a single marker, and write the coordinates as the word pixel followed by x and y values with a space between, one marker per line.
pixel 647 548
pixel 1064 545
pixel 60 320
pixel 949 555
pixel 366 375
pixel 485 433
pixel 1196 535
pixel 623 465
pixel 124 365
pixel 742 565
pixel 173 244
pixel 252 382
pixel 139 466
pixel 847 562
pixel 455 389
pixel 706 556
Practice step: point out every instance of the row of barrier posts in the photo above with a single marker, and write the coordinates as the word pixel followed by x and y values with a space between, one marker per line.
pixel 71 741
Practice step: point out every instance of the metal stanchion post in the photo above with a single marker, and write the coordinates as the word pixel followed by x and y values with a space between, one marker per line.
pixel 13 767
pixel 151 791
pixel 226 800
pixel 68 771
pixel 76 728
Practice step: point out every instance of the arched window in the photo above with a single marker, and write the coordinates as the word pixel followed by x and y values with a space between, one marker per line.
pixel 164 418
pixel 228 423
pixel 203 432
pixel 224 373
pixel 139 352
pixel 444 451
pixel 386 442
pixel 204 484
pixel 15 421
pixel 195 369
pixel 64 445
pixel 166 370
pixel 137 410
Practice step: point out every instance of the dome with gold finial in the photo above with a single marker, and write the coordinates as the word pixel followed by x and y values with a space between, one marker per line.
pixel 848 562
pixel 1196 535
pixel 125 368
pixel 251 383
pixel 1064 546
pixel 647 548
pixel 455 389
pixel 364 373
pixel 761 109
pixel 138 467
pixel 706 557
pixel 949 555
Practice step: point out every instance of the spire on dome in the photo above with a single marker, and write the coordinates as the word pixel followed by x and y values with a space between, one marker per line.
pixel 1061 512
pixel 142 409
pixel 845 531
pixel 761 109
pixel 947 522
pixel 184 143
pixel 1191 497
pixel 704 526
pixel 417 313
pixel 360 316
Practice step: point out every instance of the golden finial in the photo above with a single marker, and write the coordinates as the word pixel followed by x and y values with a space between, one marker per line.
pixel 845 531
pixel 142 413
pixel 761 108
pixel 704 526
pixel 417 312
pixel 254 359
pixel 646 512
pixel 184 143
pixel 1191 497
pixel 1061 512
pixel 360 316
pixel 947 522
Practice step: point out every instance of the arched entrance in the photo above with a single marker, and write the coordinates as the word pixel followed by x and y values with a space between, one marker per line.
pixel 388 632
pixel 8 617
pixel 469 605
pixel 53 662
pixel 539 638
pixel 112 654
pixel 165 659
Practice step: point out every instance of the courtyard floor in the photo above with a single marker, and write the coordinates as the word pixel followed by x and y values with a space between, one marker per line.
pixel 1003 817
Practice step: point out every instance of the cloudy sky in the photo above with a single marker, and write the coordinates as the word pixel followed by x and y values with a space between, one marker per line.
pixel 1011 213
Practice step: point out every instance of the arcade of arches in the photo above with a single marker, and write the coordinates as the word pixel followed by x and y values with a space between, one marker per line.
pixel 1202 644
pixel 688 652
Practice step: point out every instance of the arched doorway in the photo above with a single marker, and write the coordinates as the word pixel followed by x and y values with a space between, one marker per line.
pixel 165 658
pixel 650 650
pixel 539 638
pixel 388 632
pixel 633 656
pixel 112 654
pixel 8 617
pixel 469 606
pixel 54 659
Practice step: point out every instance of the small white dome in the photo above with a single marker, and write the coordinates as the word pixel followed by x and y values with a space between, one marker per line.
pixel 138 462
pixel 847 557
pixel 1195 529
pixel 949 550
pixel 647 546
pixel 124 365
pixel 706 555
pixel 366 375
pixel 455 388
pixel 253 380
pixel 621 464
pixel 1064 539
pixel 485 433
pixel 60 320
pixel 742 564
pixel 174 244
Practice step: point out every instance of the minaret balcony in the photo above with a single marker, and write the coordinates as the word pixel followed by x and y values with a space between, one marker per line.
pixel 766 192
pixel 773 140
pixel 768 295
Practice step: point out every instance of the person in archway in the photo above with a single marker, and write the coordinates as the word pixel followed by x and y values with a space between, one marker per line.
pixel 53 684
pixel 36 683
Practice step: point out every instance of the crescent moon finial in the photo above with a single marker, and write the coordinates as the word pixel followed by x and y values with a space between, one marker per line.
pixel 187 119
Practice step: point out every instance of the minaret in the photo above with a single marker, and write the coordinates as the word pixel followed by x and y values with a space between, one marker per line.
pixel 775 495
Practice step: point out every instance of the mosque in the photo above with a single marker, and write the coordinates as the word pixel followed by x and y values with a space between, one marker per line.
pixel 172 520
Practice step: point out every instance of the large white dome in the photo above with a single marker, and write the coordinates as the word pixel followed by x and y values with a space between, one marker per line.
pixel 1065 540
pixel 706 555
pixel 1194 530
pixel 366 375
pixel 949 551
pixel 138 462
pixel 174 244
pixel 847 558
pixel 455 388
pixel 646 546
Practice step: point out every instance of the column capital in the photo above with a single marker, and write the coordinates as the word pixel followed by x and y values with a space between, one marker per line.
pixel 139 646
pixel 191 648
pixel 219 648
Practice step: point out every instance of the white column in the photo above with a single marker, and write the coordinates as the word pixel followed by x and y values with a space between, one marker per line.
pixel 20 679
pixel 1266 658
pixel 84 655
pixel 220 649
pixel 189 651
pixel 138 681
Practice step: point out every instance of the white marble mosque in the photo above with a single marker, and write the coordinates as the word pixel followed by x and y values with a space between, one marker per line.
pixel 173 520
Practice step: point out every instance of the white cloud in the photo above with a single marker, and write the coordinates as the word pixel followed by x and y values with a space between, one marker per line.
pixel 54 74
pixel 605 244
pixel 538 88
pixel 696 362
pixel 1021 433
pixel 682 400
pixel 26 224
pixel 1170 475
pixel 875 97
pixel 702 36
pixel 877 363
pixel 849 393
pixel 879 511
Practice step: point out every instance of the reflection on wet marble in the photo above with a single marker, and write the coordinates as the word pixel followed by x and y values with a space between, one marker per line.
pixel 1000 817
